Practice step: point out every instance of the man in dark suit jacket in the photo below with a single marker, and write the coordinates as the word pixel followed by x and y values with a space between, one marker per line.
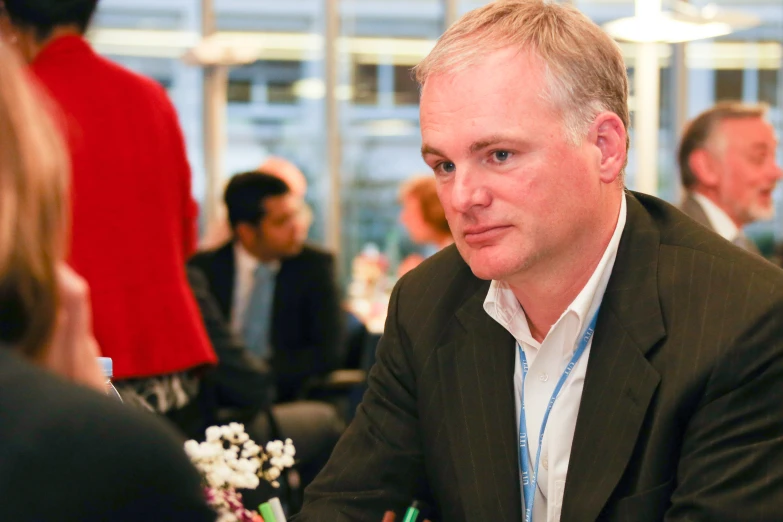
pixel 667 339
pixel 69 455
pixel 305 329
pixel 727 165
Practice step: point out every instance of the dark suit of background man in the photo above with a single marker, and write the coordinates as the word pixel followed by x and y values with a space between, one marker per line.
pixel 279 295
pixel 727 164
pixel 673 410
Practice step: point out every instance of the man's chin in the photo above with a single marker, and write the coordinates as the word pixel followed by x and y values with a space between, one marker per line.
pixel 295 251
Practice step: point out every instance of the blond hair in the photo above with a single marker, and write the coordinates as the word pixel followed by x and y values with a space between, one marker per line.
pixel 33 180
pixel 584 67
pixel 703 130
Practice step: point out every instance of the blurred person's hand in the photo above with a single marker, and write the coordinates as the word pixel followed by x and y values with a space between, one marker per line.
pixel 74 351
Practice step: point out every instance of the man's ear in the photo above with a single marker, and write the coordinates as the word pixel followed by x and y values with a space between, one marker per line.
pixel 703 167
pixel 608 134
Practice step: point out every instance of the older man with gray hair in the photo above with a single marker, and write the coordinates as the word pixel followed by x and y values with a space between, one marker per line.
pixel 727 164
pixel 582 352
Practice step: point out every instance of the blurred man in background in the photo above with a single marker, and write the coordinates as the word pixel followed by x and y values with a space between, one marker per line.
pixel 727 164
pixel 218 230
pixel 278 294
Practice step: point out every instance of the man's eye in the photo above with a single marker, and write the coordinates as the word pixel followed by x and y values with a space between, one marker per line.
pixel 501 155
pixel 446 166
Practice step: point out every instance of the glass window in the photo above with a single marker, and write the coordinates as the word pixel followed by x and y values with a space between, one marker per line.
pixel 281 112
pixel 276 105
pixel 381 41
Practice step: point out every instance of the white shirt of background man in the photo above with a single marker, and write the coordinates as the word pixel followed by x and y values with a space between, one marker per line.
pixel 720 221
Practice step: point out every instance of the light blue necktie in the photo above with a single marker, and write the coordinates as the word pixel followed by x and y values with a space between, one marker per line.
pixel 258 314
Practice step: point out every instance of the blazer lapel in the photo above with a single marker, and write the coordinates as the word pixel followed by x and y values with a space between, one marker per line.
pixel 694 210
pixel 224 269
pixel 477 370
pixel 620 382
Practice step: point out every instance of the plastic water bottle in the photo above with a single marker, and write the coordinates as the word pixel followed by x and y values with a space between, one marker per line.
pixel 108 372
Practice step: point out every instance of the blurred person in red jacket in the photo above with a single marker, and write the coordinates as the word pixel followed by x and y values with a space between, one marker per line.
pixel 133 216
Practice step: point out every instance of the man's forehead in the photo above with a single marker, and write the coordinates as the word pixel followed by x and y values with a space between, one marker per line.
pixel 743 133
pixel 507 60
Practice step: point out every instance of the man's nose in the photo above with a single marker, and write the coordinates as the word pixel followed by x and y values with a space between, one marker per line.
pixel 469 190
pixel 777 172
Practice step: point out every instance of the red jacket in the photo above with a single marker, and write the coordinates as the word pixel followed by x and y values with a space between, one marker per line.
pixel 133 217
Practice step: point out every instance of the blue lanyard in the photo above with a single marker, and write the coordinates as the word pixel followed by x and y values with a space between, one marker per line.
pixel 530 481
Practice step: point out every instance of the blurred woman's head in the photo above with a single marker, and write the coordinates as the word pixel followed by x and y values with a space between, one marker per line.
pixel 33 180
pixel 30 24
pixel 422 214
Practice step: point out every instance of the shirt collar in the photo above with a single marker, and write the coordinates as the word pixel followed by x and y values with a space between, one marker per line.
pixel 247 262
pixel 720 221
pixel 503 307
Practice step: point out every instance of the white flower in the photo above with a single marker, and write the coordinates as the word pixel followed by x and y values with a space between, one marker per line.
pixel 211 450
pixel 251 449
pixel 230 455
pixel 229 460
pixel 287 461
pixel 274 447
pixel 213 434
pixel 220 475
pixel 244 466
pixel 192 449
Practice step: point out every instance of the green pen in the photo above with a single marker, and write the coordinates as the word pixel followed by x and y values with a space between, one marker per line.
pixel 266 512
pixel 413 513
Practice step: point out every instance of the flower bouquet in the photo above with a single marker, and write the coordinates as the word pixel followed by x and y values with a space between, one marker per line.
pixel 229 460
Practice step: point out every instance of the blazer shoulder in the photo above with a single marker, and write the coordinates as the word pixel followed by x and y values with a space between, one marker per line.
pixel 205 259
pixel 442 282
pixel 681 235
pixel 310 256
pixel 316 252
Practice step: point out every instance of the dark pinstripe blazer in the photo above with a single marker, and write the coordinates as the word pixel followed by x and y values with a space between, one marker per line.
pixel 680 419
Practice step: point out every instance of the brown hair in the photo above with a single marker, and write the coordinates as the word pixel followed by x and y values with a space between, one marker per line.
pixel 33 184
pixel 702 131
pixel 585 71
pixel 423 190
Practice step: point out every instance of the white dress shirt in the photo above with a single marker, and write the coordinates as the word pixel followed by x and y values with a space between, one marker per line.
pixel 245 265
pixel 720 221
pixel 546 363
